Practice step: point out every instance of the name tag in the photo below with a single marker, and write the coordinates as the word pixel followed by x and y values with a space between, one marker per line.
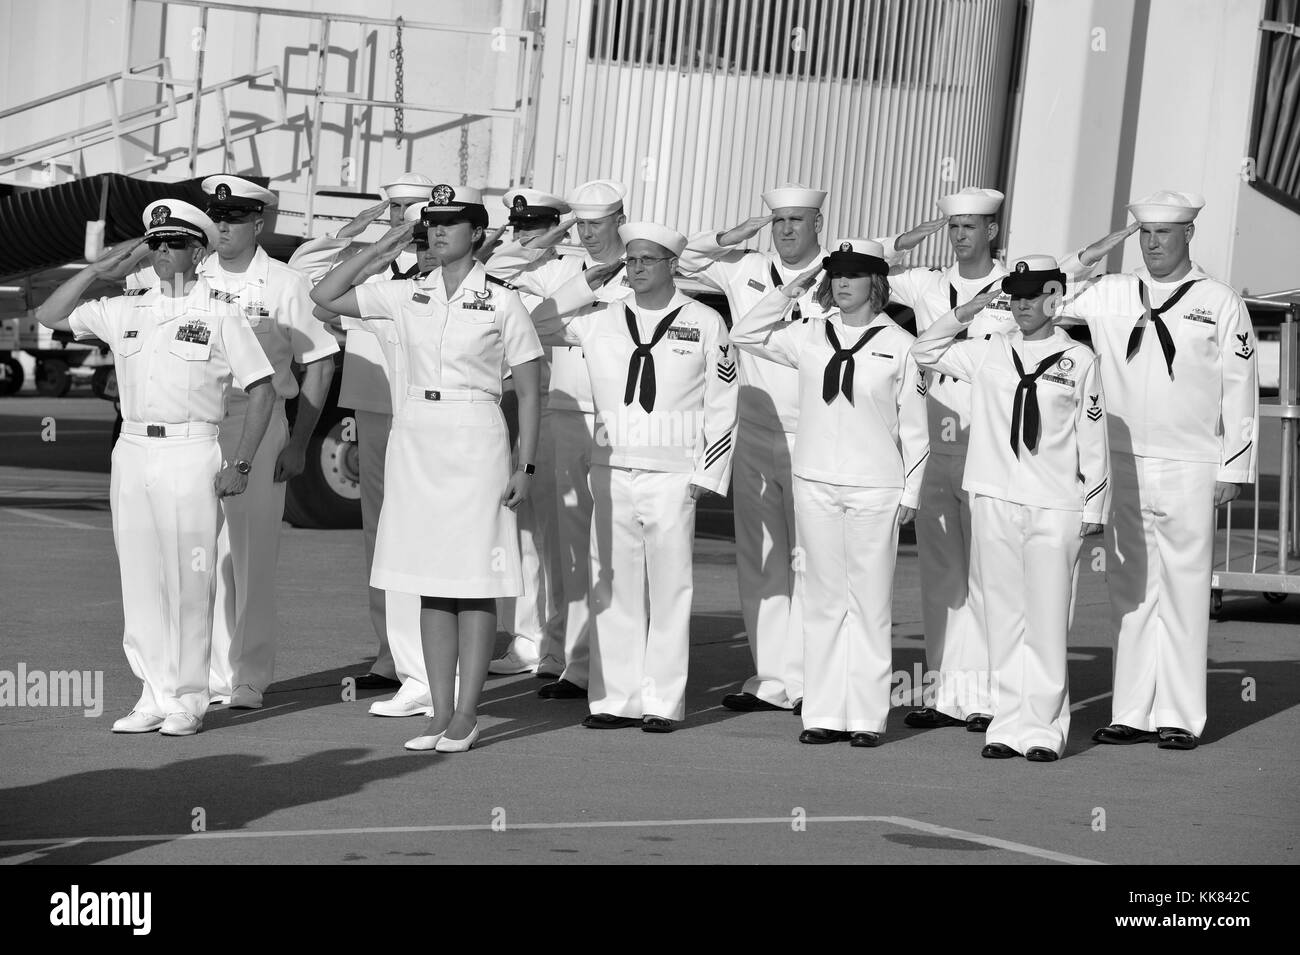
pixel 1059 380
pixel 132 333
pixel 196 333
pixel 881 354
pixel 756 285
pixel 420 298
pixel 684 334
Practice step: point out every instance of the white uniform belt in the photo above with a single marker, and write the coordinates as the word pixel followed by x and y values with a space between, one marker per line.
pixel 451 394
pixel 194 429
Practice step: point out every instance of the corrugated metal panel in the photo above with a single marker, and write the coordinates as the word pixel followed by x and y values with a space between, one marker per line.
pixel 700 105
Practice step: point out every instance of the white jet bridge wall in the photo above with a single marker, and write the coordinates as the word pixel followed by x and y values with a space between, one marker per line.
pixel 701 106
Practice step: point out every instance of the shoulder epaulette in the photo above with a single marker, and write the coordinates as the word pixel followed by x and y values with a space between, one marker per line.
pixel 502 282
pixel 230 297
pixel 136 291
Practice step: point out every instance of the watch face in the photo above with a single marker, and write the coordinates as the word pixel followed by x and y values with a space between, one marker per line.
pixel 243 467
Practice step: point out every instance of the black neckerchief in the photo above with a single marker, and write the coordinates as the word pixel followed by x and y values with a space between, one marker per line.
pixel 642 363
pixel 831 382
pixel 1162 330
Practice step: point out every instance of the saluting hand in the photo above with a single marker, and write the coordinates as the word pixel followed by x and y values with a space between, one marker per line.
pixel 969 310
pixel 1099 249
pixel 554 234
pixel 746 230
pixel 490 242
pixel 393 241
pixel 802 282
pixel 118 257
pixel 917 234
pixel 363 219
pixel 1091 530
pixel 601 273
pixel 517 490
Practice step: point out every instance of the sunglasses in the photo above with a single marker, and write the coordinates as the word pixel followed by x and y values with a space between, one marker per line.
pixel 231 215
pixel 175 245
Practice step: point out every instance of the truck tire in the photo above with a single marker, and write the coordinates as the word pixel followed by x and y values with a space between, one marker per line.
pixel 11 376
pixel 328 492
pixel 53 379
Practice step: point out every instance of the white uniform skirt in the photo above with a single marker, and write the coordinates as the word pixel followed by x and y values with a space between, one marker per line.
pixel 443 531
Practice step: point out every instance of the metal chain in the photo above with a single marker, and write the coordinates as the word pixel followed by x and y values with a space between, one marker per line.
pixel 463 153
pixel 399 115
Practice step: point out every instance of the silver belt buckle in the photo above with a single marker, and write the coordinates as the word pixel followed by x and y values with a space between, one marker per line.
pixel 155 431
pixel 433 396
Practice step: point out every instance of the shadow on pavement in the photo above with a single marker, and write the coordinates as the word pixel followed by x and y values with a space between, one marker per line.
pixel 130 802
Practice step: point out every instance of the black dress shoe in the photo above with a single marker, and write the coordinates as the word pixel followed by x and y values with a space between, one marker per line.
pixel 998 751
pixel 864 739
pixel 930 719
pixel 1175 737
pixel 562 690
pixel 823 736
pixel 979 723
pixel 1117 734
pixel 798 708
pixel 748 703
pixel 1041 754
pixel 608 721
pixel 374 681
pixel 656 724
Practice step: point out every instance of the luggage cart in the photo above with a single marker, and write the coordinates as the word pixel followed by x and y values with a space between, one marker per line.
pixel 1263 556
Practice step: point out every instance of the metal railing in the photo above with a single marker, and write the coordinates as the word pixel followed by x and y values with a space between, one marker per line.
pixel 1265 562
pixel 199 90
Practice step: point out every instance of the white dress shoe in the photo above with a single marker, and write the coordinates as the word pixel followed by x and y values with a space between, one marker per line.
pixel 424 743
pixel 181 724
pixel 445 745
pixel 245 698
pixel 512 662
pixel 137 722
pixel 399 707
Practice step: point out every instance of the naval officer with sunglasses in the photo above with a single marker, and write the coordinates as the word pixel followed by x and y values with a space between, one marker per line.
pixel 177 348
pixel 276 302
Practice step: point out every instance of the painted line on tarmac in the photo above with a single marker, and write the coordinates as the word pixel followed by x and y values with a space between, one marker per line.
pixel 783 821
pixel 62 521
pixel 1075 707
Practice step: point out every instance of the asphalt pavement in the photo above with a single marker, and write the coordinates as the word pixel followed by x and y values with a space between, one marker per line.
pixel 312 778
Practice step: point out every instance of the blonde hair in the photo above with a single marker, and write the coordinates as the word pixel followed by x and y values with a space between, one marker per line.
pixel 877 296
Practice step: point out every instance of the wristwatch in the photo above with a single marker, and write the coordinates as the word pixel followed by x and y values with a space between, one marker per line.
pixel 243 467
pixel 527 468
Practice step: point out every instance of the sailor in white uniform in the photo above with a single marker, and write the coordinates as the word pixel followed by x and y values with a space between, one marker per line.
pixel 859 459
pixel 956 647
pixel 1039 478
pixel 372 388
pixel 177 348
pixel 536 619
pixel 769 416
pixel 535 268
pixel 664 380
pixel 447 531
pixel 1177 352
pixel 276 304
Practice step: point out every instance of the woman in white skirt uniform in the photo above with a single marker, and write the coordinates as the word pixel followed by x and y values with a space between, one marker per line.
pixel 859 458
pixel 447 530
pixel 1038 474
